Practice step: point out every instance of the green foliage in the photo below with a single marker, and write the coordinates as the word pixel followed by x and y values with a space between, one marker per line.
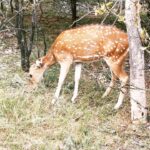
pixel 103 8
pixel 145 22
pixel 51 76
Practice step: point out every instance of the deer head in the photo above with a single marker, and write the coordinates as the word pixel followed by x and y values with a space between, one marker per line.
pixel 36 72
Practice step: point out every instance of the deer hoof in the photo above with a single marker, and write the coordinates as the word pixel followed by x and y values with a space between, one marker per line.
pixel 117 106
pixel 104 95
pixel 54 100
pixel 73 100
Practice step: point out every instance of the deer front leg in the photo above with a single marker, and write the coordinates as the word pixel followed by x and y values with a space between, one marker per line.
pixel 77 78
pixel 64 68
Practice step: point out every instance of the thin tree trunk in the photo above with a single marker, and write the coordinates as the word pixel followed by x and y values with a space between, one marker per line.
pixel 137 77
pixel 74 11
pixel 21 35
pixel 25 47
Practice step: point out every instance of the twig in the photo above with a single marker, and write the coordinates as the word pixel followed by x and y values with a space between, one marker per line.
pixel 109 11
pixel 45 45
pixel 81 18
pixel 17 12
pixel 32 28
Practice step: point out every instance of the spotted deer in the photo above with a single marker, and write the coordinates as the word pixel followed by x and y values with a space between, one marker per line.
pixel 86 44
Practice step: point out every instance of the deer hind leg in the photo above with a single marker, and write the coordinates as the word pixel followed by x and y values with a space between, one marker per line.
pixel 64 68
pixel 123 77
pixel 77 78
pixel 112 82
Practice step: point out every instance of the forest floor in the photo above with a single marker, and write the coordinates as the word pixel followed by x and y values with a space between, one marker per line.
pixel 28 121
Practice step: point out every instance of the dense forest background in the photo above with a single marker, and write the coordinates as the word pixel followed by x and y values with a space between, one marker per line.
pixel 27 118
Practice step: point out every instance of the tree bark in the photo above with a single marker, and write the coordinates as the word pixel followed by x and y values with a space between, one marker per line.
pixel 137 77
pixel 74 11
pixel 25 47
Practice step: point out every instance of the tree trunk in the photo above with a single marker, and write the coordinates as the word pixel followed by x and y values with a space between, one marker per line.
pixel 137 77
pixel 21 35
pixel 74 11
pixel 25 47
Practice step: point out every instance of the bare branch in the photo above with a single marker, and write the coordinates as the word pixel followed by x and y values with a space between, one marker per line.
pixel 81 18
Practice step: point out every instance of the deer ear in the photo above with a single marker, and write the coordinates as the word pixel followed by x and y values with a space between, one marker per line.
pixel 39 63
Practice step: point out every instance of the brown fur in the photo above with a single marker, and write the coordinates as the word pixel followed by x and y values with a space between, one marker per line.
pixel 90 43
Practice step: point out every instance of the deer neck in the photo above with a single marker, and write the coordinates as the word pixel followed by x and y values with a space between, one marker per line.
pixel 49 59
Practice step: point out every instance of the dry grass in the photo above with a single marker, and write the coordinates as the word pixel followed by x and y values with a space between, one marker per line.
pixel 28 121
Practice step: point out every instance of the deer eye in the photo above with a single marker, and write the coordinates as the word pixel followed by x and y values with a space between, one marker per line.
pixel 30 75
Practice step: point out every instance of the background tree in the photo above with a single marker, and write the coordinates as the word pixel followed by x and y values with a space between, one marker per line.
pixel 74 11
pixel 21 33
pixel 137 65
